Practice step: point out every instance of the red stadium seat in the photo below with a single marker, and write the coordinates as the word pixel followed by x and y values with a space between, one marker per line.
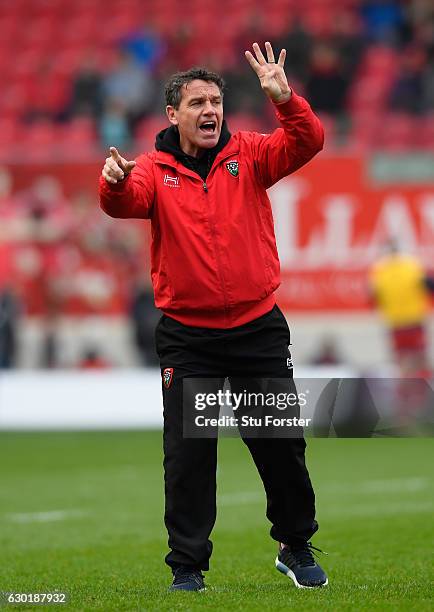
pixel 245 122
pixel 39 61
pixel 40 142
pixel 51 94
pixel 42 33
pixel 79 134
pixel 42 133
pixel 318 20
pixel 148 129
pixel 379 59
pixel 368 93
pixel 329 125
pixel 398 132
pixel 10 29
pixel 425 133
pixel 277 20
pixel 67 61
pixel 363 134
pixel 12 135
pixel 14 100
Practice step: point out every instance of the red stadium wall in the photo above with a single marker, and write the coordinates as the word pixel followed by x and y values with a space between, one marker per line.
pixel 332 219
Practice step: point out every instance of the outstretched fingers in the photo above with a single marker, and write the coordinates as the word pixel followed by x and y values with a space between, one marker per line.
pixel 259 61
pixel 270 53
pixel 114 154
pixel 271 74
pixel 116 167
pixel 282 57
pixel 259 55
pixel 254 64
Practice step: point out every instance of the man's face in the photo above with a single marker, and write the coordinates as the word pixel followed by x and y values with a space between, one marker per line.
pixel 199 116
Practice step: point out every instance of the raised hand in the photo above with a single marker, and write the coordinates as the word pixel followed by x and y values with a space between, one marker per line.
pixel 116 167
pixel 271 75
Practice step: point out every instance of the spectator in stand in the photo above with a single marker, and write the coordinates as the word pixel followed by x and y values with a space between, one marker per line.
pixel 298 43
pixel 43 232
pixel 49 358
pixel 144 318
pixel 348 41
pixel 327 353
pixel 114 125
pixel 326 86
pixel 428 88
pixel 130 85
pixel 9 228
pixel 8 328
pixel 407 93
pixel 424 36
pixel 9 212
pixel 87 90
pixel 145 46
pixel 181 49
pixel 241 85
pixel 45 201
pixel 92 359
pixel 83 211
pixel 383 20
pixel 241 88
pixel 47 96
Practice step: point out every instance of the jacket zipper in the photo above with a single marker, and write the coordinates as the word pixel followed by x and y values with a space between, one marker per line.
pixel 212 226
pixel 219 266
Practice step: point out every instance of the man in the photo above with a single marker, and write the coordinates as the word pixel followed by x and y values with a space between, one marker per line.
pixel 215 269
pixel 401 289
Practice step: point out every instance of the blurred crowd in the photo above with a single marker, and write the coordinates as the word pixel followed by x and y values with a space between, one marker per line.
pixel 61 256
pixel 354 61
pixel 366 66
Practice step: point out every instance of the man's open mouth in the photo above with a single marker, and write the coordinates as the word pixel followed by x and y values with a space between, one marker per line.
pixel 208 126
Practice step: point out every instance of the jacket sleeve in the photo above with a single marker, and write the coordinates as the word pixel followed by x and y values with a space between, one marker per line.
pixel 288 148
pixel 132 197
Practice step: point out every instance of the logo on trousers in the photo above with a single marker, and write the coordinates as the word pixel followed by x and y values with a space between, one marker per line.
pixel 167 377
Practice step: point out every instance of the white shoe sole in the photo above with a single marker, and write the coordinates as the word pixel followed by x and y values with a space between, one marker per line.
pixel 285 570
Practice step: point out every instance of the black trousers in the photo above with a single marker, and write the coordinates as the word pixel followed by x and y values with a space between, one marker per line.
pixel 256 349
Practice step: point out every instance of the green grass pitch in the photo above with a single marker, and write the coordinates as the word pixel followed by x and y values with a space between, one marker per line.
pixel 83 513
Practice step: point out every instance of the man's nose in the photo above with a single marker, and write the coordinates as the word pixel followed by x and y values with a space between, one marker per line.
pixel 208 107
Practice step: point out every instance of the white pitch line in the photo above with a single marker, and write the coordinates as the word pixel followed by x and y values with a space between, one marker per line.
pixel 387 486
pixel 376 510
pixel 393 485
pixel 241 498
pixel 44 517
pixel 383 486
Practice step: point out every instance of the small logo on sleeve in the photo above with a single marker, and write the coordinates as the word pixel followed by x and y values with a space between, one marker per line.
pixel 167 377
pixel 232 167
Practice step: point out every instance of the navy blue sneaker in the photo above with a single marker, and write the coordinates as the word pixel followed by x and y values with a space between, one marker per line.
pixel 187 579
pixel 298 563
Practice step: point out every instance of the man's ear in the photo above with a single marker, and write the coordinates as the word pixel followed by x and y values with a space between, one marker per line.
pixel 171 115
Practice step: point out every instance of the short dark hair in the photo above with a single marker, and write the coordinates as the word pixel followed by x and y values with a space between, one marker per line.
pixel 176 82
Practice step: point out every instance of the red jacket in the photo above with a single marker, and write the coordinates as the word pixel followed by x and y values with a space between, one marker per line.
pixel 214 257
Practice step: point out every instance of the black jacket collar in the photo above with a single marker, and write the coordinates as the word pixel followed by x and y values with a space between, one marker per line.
pixel 168 141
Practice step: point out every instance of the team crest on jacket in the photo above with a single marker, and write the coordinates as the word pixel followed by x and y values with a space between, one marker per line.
pixel 232 167
pixel 167 377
